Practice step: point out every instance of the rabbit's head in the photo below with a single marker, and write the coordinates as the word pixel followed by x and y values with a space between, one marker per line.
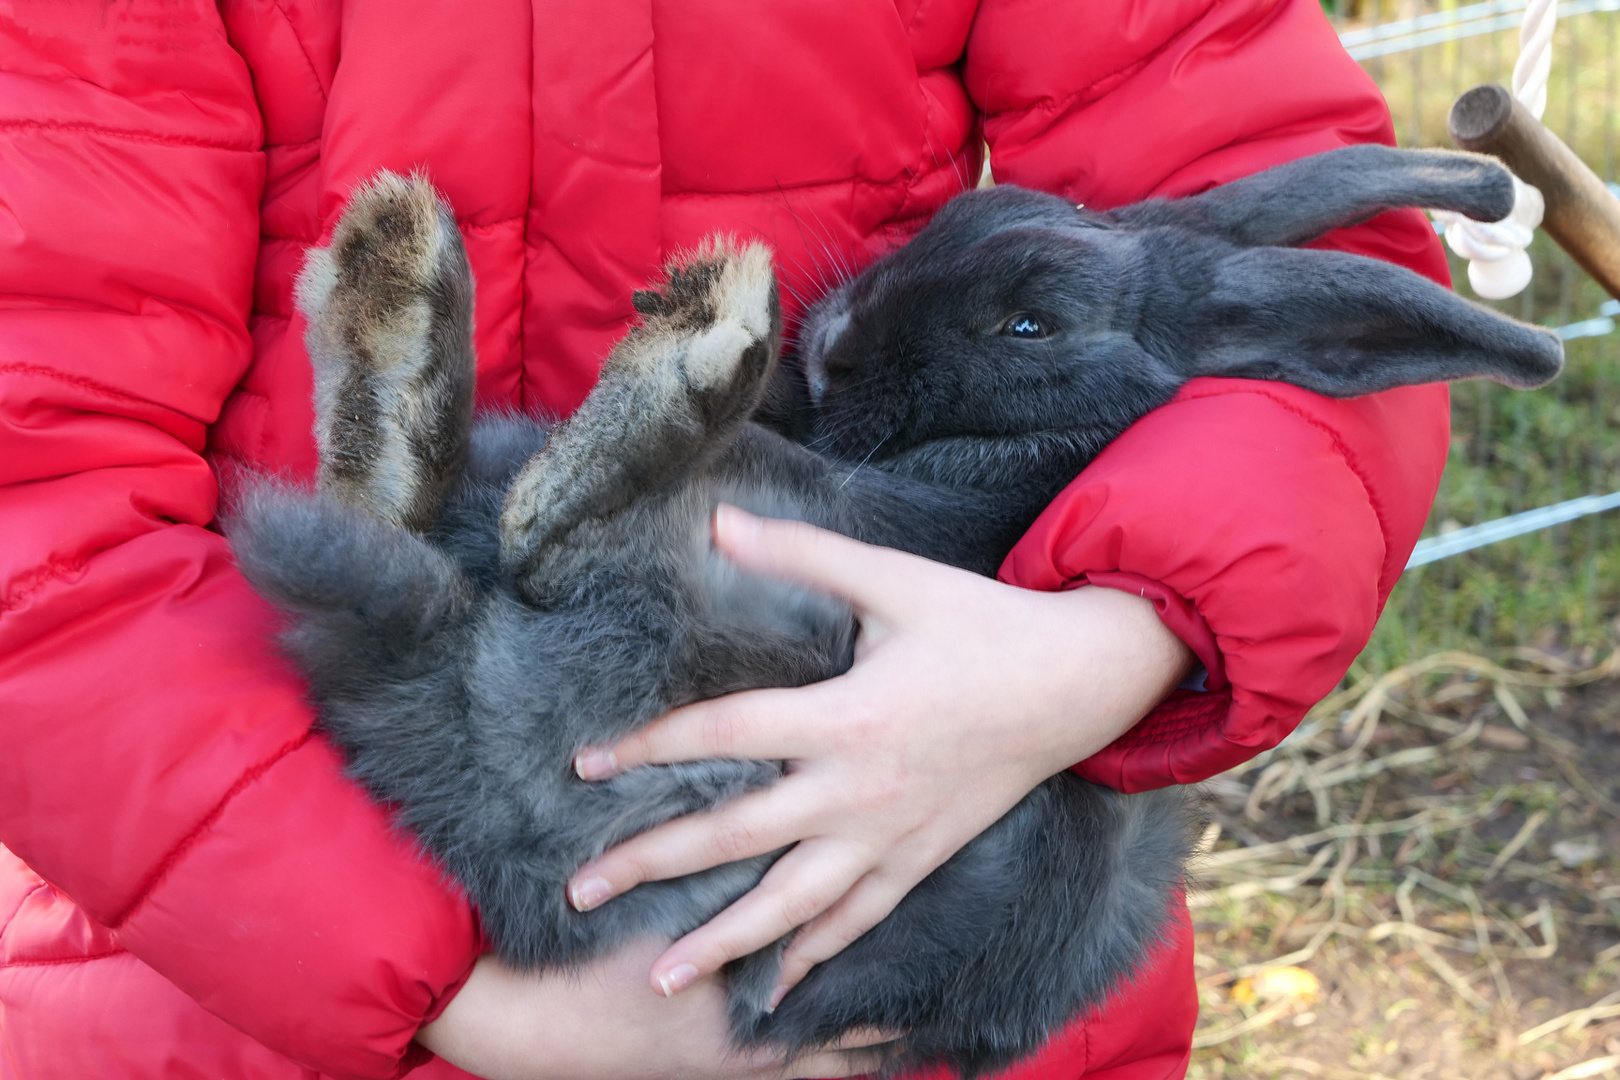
pixel 1016 313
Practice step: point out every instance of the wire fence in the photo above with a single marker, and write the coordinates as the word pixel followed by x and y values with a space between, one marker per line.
pixel 1550 578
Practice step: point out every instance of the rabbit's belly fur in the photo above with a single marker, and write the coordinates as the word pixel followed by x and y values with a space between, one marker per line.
pixel 464 706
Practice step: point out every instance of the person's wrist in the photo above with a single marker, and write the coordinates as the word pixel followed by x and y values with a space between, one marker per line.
pixel 506 1025
pixel 475 1021
pixel 603 1022
pixel 1121 662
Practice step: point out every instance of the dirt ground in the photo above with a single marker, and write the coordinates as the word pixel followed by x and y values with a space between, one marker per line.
pixel 1452 883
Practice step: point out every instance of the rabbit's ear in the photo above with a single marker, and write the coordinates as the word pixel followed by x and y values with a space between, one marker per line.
pixel 1296 202
pixel 1344 325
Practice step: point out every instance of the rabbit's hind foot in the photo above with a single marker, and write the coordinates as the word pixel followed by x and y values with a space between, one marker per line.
pixel 674 392
pixel 389 306
pixel 710 329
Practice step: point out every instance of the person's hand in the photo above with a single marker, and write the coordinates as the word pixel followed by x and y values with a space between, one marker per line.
pixel 605 1023
pixel 965 694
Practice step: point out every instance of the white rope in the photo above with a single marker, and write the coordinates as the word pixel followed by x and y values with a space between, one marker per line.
pixel 1497 264
pixel 1534 65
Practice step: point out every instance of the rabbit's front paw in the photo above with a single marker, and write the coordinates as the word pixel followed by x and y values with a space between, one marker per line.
pixel 389 305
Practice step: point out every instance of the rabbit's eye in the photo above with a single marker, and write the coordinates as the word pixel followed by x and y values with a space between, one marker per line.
pixel 1025 325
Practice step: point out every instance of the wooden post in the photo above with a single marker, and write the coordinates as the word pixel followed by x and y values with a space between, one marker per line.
pixel 1582 215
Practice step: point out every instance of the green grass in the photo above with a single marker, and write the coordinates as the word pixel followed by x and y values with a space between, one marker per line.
pixel 1514 451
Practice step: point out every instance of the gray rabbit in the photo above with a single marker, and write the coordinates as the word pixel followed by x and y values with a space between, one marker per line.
pixel 473 602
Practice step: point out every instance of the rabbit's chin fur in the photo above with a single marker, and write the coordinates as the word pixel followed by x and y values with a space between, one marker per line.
pixel 475 603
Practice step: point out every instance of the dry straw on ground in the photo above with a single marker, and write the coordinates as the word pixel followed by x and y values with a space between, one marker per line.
pixel 1433 845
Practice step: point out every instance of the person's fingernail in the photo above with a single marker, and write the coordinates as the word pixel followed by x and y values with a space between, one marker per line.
pixel 776 997
pixel 586 894
pixel 734 522
pixel 677 978
pixel 595 764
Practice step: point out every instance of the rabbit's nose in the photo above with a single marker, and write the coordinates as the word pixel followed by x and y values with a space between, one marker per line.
pixel 816 360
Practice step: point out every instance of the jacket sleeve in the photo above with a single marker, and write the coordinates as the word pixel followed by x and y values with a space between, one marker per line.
pixel 156 759
pixel 1267 524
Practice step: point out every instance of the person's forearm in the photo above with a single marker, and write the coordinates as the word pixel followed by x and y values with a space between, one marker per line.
pixel 1110 657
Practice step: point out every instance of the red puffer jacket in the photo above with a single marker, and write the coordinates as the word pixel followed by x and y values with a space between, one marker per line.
pixel 195 887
